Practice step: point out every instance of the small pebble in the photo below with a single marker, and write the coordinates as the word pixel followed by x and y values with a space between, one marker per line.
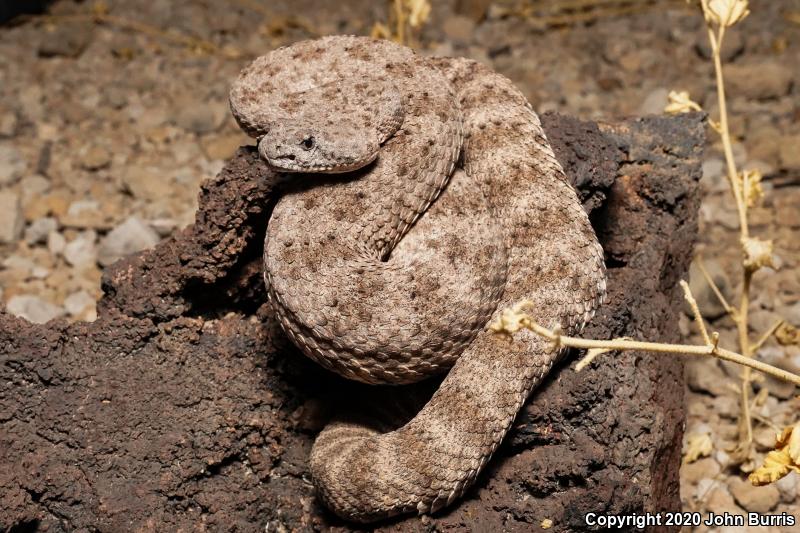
pixel 56 243
pixel 9 122
pixel 18 263
pixel 95 158
pixel 789 151
pixel 223 146
pixel 83 214
pixel 755 499
pixel 12 164
pixel 127 238
pixel 77 302
pixel 762 80
pixel 198 116
pixel 33 186
pixel 655 102
pixel 704 488
pixel 707 300
pixel 33 308
pixel 459 28
pixel 11 220
pixel 788 487
pixel 38 230
pixel 146 183
pixel 68 39
pixel 81 251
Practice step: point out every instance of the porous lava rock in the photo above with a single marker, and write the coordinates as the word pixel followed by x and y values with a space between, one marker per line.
pixel 183 407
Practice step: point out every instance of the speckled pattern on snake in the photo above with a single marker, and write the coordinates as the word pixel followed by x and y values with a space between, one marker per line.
pixel 422 199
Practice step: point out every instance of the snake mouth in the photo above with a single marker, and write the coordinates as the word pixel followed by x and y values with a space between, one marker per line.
pixel 289 163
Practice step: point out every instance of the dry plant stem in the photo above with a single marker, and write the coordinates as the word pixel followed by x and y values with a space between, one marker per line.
pixel 741 317
pixel 401 21
pixel 744 343
pixel 728 308
pixel 765 337
pixel 741 206
pixel 767 422
pixel 681 349
pixel 698 318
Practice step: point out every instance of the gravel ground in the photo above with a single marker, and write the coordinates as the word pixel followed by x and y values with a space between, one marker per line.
pixel 108 127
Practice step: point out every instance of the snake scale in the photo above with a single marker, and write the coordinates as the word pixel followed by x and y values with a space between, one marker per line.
pixel 422 197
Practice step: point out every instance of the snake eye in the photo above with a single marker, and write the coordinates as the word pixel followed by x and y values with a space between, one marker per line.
pixel 307 143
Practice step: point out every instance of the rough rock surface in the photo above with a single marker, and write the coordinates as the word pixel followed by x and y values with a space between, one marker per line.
pixel 182 406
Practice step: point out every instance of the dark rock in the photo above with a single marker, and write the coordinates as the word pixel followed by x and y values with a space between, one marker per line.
pixel 182 406
pixel 590 158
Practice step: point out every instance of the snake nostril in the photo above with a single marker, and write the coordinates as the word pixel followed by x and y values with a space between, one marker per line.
pixel 307 143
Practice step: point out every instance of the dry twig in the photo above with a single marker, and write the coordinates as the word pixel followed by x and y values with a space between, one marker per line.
pixel 746 189
pixel 513 319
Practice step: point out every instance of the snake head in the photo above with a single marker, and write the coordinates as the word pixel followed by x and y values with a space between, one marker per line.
pixel 332 128
pixel 303 146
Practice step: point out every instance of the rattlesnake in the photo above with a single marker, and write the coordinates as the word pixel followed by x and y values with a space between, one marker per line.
pixel 375 278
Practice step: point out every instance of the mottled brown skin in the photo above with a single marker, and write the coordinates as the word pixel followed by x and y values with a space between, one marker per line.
pixel 374 281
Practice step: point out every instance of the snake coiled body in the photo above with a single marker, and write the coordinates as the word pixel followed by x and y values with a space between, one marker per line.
pixel 375 278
